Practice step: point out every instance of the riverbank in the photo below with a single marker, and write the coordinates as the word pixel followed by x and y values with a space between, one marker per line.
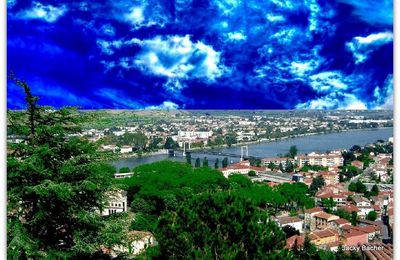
pixel 165 152
pixel 312 142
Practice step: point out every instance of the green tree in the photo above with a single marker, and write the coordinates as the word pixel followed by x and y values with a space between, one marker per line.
pixel 290 231
pixel 354 218
pixel 252 173
pixel 281 167
pixel 56 185
pixel 230 139
pixel 329 204
pixel 374 190
pixel 372 215
pixel 197 163
pixel 170 143
pixel 292 151
pixel 216 164
pixel 205 162
pixel 289 166
pixel 240 180
pixel 343 214
pixel 225 162
pixel 358 187
pixel 188 156
pixel 221 226
pixel 316 184
pixel 271 166
pixel 124 170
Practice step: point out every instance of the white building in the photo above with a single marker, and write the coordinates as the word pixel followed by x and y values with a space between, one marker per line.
pixel 123 175
pixel 195 134
pixel 326 160
pixel 294 222
pixel 126 149
pixel 117 202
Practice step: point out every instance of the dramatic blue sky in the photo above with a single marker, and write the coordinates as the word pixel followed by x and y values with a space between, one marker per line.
pixel 195 54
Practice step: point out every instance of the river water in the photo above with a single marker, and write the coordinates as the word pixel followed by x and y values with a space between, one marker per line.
pixel 305 144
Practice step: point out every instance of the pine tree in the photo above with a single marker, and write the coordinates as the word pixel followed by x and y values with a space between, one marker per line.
pixel 56 185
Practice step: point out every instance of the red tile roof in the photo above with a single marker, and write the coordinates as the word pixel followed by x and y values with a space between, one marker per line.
pixel 313 210
pixel 341 221
pixel 353 232
pixel 325 215
pixel 294 240
pixel 325 233
pixel 350 208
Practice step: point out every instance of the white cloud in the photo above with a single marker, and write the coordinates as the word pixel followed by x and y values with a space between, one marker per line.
pixel 326 82
pixel 166 105
pixel 236 36
pixel 117 98
pixel 334 101
pixel 362 47
pixel 135 15
pixel 107 29
pixel 107 47
pixel 140 13
pixel 11 3
pixel 284 36
pixel 384 95
pixel 178 57
pixel 43 12
pixel 376 12
pixel 227 6
pixel 274 18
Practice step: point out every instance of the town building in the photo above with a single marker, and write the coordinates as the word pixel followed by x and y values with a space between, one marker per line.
pixel 277 161
pixel 294 222
pixel 309 220
pixel 324 237
pixel 326 160
pixel 117 202
pixel 323 220
pixel 241 168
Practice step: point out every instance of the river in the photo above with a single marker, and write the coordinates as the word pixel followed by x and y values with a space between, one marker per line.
pixel 305 144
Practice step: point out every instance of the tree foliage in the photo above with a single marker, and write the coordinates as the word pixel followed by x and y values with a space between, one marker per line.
pixel 218 225
pixel 372 215
pixel 316 184
pixel 56 185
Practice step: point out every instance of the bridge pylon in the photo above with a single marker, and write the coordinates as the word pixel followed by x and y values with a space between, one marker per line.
pixel 242 148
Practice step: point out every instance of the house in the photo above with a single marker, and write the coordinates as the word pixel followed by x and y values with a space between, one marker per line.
pixel 324 237
pixel 375 251
pixel 358 164
pixel 364 205
pixel 339 199
pixel 276 161
pixel 294 222
pixel 354 237
pixel 370 230
pixel 117 202
pixel 361 202
pixel 241 168
pixel 123 175
pixel 337 224
pixel 350 208
pixel 309 220
pixel 293 241
pixel 323 219
pixel 126 149
pixel 330 178
pixel 330 159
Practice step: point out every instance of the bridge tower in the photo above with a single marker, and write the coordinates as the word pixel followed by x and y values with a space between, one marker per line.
pixel 184 147
pixel 242 148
